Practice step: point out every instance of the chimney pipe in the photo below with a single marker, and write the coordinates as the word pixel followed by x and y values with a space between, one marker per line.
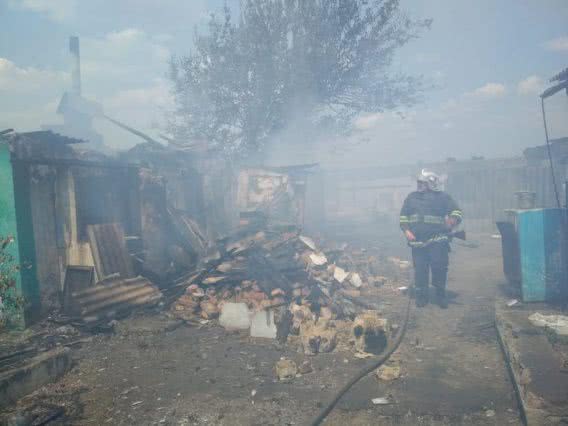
pixel 76 67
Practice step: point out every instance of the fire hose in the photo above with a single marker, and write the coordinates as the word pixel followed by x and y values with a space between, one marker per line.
pixel 365 371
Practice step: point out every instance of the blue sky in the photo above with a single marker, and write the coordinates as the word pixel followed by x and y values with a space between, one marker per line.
pixel 487 59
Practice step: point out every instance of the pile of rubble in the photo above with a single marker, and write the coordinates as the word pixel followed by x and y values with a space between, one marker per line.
pixel 276 282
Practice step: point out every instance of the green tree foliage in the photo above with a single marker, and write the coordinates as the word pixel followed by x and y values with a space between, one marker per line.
pixel 323 59
pixel 10 302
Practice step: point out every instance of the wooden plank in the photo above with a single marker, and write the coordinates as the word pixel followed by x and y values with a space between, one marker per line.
pixel 109 250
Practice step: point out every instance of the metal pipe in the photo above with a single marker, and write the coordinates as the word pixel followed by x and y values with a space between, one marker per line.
pixel 548 149
pixel 76 67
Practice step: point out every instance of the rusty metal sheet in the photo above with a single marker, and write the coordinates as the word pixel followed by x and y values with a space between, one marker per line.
pixel 77 278
pixel 109 250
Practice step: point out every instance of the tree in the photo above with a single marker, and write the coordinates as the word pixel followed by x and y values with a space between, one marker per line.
pixel 327 60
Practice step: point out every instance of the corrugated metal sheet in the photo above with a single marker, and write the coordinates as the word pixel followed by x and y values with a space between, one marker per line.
pixel 113 296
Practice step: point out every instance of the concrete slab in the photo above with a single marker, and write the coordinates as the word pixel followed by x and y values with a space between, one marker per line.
pixel 536 365
pixel 39 371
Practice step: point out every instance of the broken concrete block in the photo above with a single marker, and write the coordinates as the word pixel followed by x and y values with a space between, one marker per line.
pixel 339 274
pixel 263 325
pixel 388 373
pixel 286 369
pixel 318 259
pixel 355 280
pixel 235 316
pixel 370 332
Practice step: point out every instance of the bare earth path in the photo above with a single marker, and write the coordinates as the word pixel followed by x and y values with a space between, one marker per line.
pixel 453 370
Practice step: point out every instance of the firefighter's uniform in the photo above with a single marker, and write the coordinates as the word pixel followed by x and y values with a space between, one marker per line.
pixel 425 214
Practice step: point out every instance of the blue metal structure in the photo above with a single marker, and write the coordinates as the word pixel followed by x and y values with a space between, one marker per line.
pixel 542 266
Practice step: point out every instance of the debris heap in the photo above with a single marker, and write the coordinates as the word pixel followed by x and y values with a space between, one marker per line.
pixel 275 269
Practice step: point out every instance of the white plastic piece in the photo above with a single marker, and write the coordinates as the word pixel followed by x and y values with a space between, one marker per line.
pixel 262 324
pixel 381 401
pixel 235 316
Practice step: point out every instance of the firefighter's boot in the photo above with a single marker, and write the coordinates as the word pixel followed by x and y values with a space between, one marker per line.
pixel 421 297
pixel 441 298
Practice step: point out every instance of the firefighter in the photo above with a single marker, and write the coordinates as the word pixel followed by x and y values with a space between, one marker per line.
pixel 427 218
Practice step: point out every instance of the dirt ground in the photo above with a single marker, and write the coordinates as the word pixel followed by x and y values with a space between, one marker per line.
pixel 151 372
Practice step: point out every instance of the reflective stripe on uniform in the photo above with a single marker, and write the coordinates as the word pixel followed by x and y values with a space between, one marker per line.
pixel 435 239
pixel 438 220
pixel 457 213
pixel 415 218
pixel 404 219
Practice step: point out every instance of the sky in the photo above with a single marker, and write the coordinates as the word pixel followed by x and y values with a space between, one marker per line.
pixel 486 62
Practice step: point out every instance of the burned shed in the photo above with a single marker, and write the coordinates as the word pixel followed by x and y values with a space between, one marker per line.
pixel 68 192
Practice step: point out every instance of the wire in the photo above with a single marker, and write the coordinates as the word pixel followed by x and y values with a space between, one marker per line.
pixel 548 149
pixel 372 367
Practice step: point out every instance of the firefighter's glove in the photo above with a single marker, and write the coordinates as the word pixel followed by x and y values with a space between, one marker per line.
pixel 409 235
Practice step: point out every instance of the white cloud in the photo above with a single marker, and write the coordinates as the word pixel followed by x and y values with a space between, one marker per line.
pixel 121 70
pixel 157 95
pixel 530 85
pixel 489 91
pixel 559 44
pixel 126 36
pixel 130 49
pixel 143 107
pixel 17 80
pixel 368 121
pixel 58 10
pixel 29 95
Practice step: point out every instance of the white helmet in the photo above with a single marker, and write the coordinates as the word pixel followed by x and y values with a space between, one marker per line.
pixel 431 179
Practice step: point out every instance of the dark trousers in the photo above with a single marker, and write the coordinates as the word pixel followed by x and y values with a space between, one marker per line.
pixel 435 258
